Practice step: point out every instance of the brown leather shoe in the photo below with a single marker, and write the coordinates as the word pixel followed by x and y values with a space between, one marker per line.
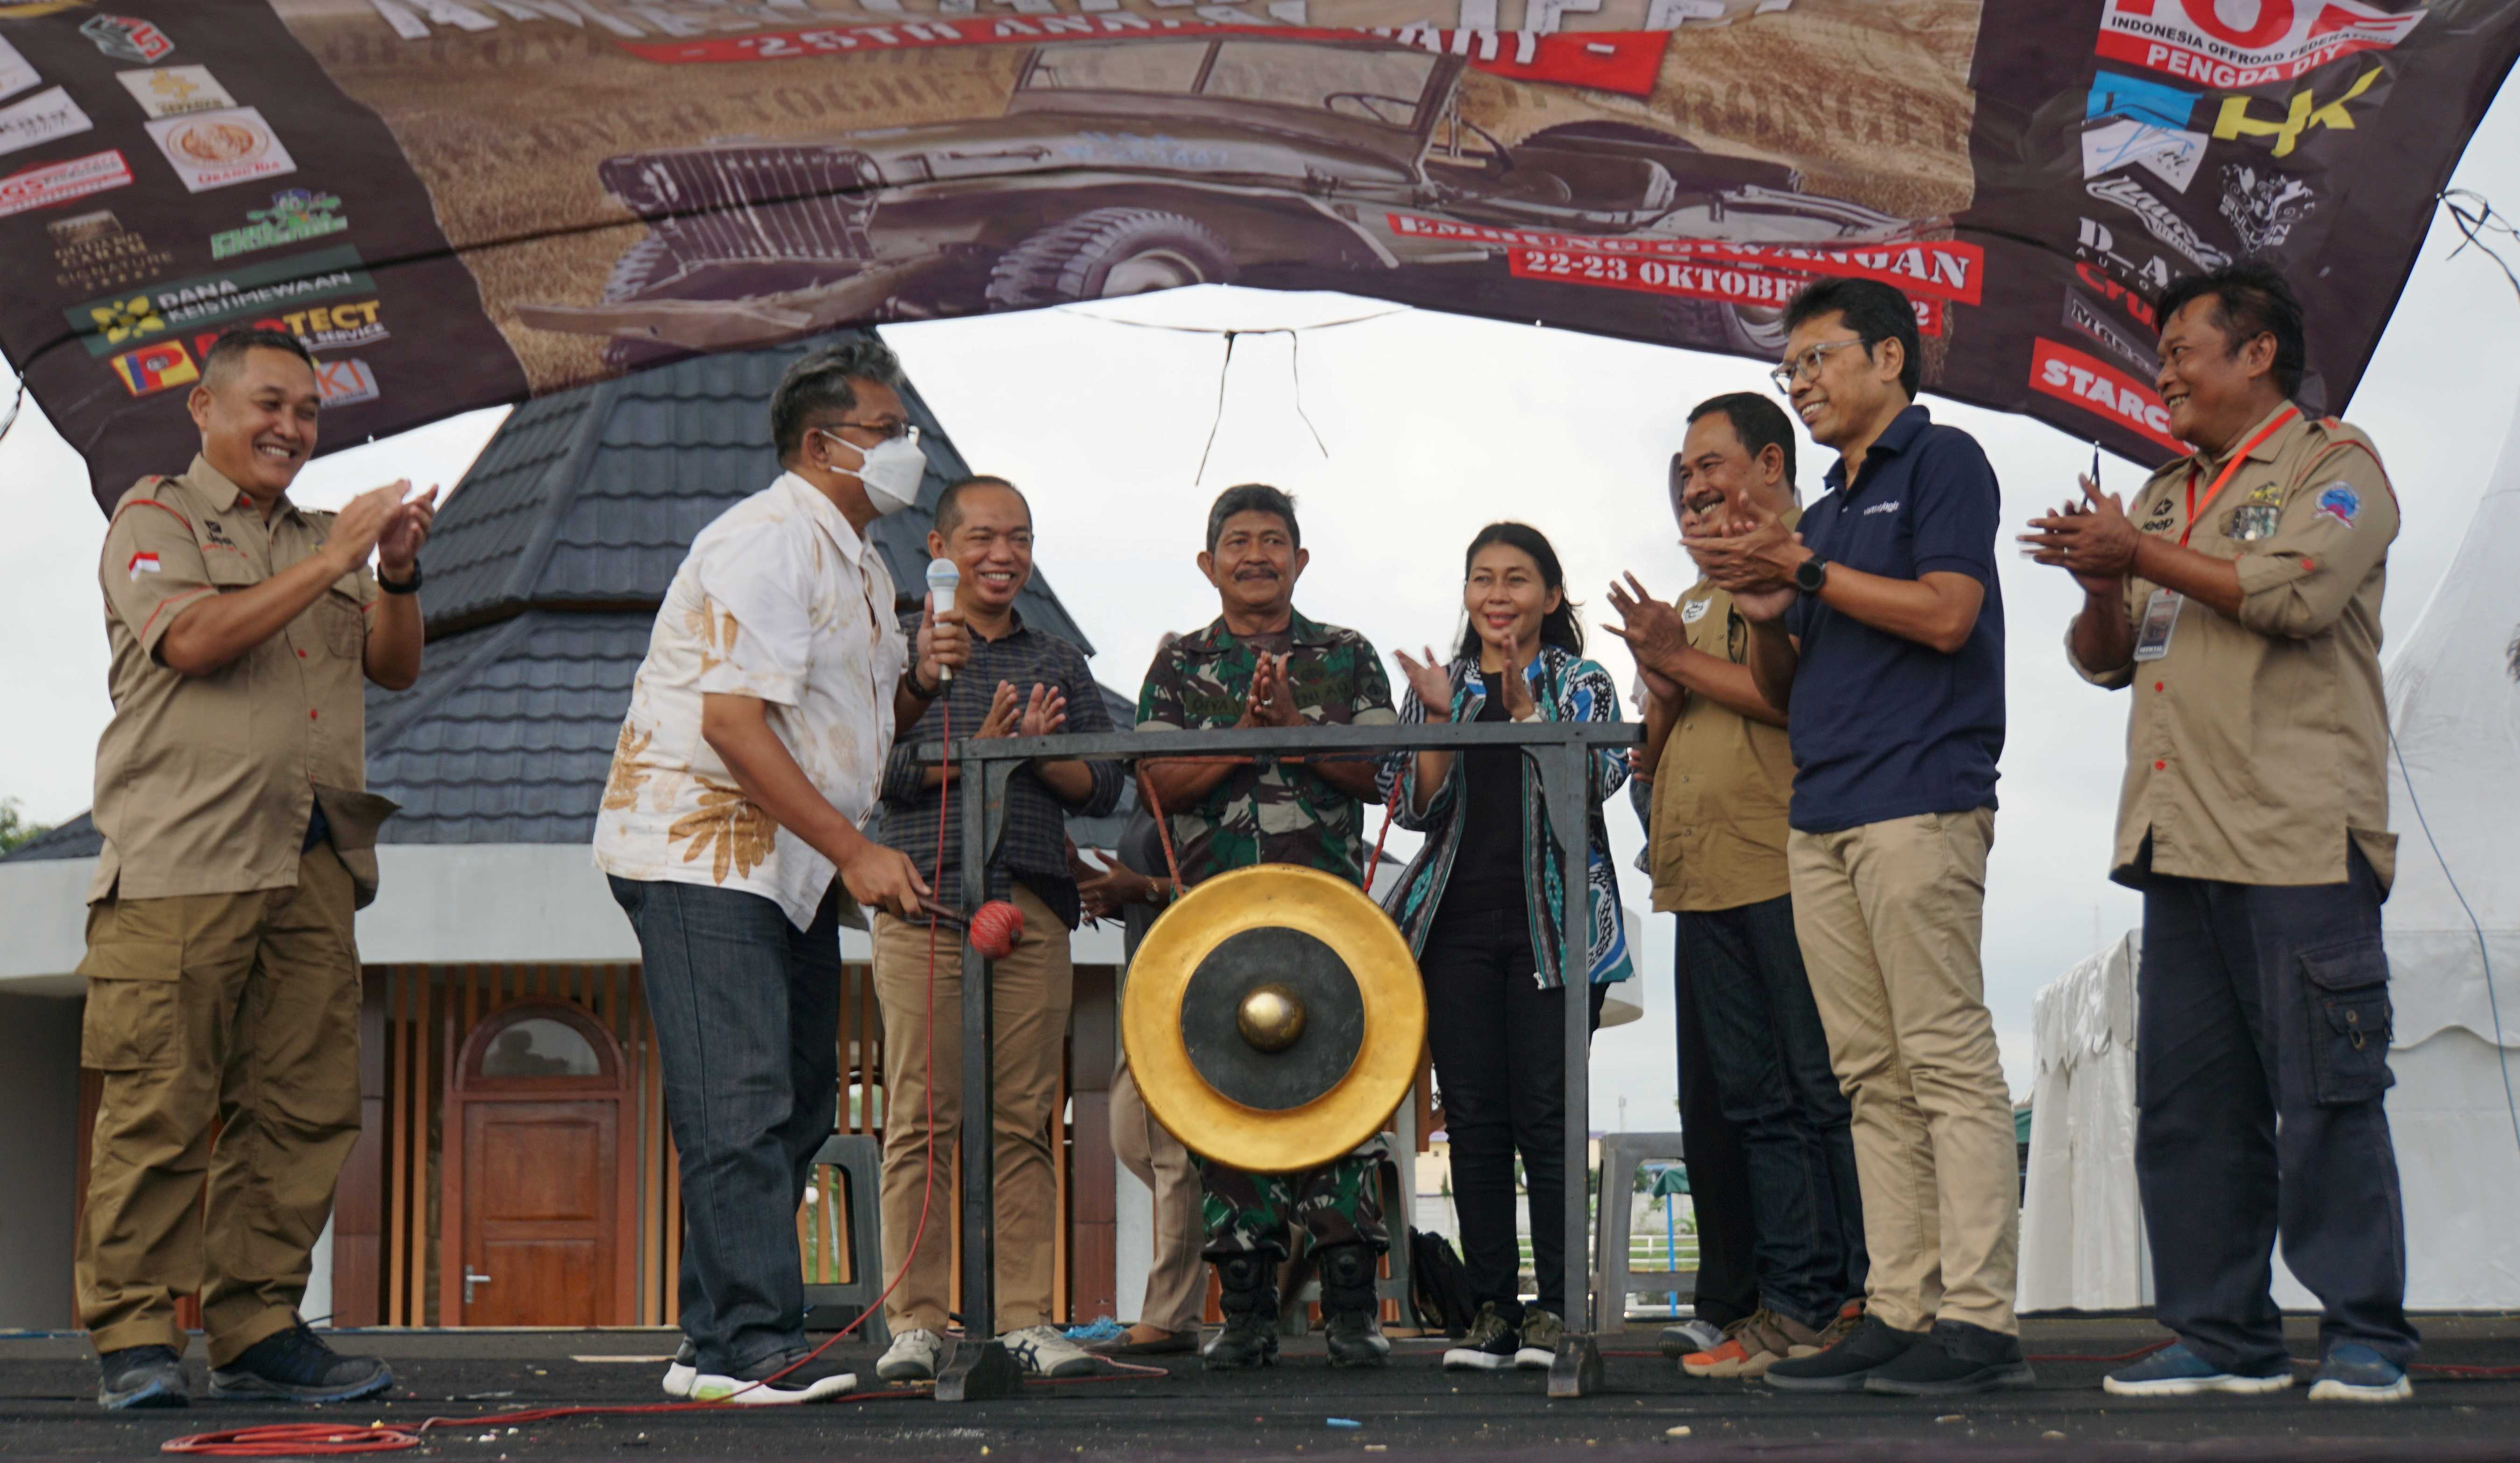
pixel 1148 1341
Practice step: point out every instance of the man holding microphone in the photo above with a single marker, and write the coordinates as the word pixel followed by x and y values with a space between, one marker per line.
pixel 2240 598
pixel 759 729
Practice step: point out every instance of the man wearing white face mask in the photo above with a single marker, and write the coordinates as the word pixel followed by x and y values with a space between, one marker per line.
pixel 775 683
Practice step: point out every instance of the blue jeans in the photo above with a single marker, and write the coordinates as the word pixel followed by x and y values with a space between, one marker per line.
pixel 2262 1059
pixel 1769 1058
pixel 747 1013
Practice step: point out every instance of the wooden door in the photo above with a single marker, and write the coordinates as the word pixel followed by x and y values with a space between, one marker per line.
pixel 540 1214
pixel 540 1204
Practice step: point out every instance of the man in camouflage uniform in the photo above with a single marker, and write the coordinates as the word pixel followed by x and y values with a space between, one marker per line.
pixel 1260 663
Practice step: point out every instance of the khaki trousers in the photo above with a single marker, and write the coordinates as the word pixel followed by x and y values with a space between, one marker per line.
pixel 1176 1282
pixel 1888 916
pixel 1032 989
pixel 244 1007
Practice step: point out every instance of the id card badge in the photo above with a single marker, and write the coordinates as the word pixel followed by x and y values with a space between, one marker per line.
pixel 2160 617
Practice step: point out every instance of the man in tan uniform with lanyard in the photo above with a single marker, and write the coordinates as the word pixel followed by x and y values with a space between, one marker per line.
pixel 222 977
pixel 1723 774
pixel 2241 597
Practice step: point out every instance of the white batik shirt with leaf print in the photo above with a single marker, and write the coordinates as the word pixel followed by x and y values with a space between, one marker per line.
pixel 780 599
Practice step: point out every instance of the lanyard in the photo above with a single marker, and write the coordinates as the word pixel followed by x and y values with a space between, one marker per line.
pixel 2228 468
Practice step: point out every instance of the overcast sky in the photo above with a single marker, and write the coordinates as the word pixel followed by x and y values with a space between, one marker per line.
pixel 1431 425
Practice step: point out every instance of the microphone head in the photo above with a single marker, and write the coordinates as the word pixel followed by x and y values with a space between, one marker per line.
pixel 943 577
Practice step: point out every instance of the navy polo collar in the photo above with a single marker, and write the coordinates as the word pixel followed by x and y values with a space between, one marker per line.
pixel 1893 441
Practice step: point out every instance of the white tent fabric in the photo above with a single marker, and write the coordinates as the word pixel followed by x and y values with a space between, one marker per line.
pixel 2453 802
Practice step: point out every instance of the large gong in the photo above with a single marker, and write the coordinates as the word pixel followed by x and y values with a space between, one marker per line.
pixel 1274 1018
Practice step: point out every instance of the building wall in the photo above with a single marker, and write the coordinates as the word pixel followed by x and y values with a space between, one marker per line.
pixel 39 1042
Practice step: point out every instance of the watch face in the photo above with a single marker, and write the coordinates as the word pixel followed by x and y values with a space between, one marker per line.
pixel 1809 575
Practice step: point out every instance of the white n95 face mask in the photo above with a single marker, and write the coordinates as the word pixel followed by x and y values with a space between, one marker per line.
pixel 890 471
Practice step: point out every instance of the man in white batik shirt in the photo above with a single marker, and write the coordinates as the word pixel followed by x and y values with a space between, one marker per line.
pixel 775 683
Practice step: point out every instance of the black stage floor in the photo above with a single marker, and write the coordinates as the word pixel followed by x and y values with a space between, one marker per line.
pixel 1412 1410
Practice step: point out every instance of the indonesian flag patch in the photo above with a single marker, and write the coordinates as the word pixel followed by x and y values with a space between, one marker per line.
pixel 143 563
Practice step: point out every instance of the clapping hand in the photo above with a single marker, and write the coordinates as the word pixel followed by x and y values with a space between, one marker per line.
pixel 1271 701
pixel 1652 629
pixel 405 530
pixel 2093 540
pixel 1044 712
pixel 1005 713
pixel 1431 680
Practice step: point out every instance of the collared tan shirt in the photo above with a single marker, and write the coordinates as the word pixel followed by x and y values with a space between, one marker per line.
pixel 780 599
pixel 204 785
pixel 1723 786
pixel 2257 746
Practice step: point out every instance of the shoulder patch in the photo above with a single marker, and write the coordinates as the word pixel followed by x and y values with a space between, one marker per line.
pixel 2339 501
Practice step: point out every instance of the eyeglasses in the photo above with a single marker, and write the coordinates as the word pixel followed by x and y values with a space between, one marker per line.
pixel 893 431
pixel 1807 364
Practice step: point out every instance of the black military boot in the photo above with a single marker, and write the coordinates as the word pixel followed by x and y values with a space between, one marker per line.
pixel 1352 1314
pixel 1250 1305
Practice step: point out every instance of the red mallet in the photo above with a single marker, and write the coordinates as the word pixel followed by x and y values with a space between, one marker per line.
pixel 994 929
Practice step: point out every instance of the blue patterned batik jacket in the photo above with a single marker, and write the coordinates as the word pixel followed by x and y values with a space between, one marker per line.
pixel 1565 688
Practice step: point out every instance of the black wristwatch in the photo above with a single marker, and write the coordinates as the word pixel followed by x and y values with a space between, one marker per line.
pixel 407 587
pixel 910 683
pixel 1811 574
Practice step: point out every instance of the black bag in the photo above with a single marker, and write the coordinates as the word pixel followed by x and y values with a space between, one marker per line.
pixel 1441 1284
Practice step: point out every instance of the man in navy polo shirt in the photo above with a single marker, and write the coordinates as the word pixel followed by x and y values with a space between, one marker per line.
pixel 1881 624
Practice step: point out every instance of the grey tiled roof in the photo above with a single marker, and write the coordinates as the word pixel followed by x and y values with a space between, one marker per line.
pixel 544 574
pixel 590 497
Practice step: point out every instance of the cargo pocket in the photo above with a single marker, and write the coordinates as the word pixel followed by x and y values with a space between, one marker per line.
pixel 2347 986
pixel 134 1006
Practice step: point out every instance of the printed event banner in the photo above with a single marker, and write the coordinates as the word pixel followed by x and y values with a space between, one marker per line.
pixel 460 202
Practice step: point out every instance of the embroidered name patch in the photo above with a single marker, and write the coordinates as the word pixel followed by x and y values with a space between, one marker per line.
pixel 1695 610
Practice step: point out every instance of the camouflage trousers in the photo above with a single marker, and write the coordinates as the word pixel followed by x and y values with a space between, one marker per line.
pixel 1340 1203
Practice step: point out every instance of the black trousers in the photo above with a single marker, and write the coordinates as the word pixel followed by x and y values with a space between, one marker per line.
pixel 1719 1170
pixel 2262 1061
pixel 1500 1047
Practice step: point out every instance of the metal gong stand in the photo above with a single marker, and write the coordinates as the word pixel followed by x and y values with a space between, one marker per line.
pixel 1561 752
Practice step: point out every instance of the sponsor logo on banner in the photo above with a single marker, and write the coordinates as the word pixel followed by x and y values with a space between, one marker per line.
pixel 2140 279
pixel 2156 104
pixel 94 251
pixel 2068 375
pixel 126 39
pixel 346 382
pixel 39 118
pixel 1940 268
pixel 250 291
pixel 2137 308
pixel 2170 156
pixel 1628 62
pixel 1731 284
pixel 2086 318
pixel 2304 113
pixel 219 149
pixel 15 75
pixel 177 90
pixel 294 216
pixel 2283 40
pixel 155 368
pixel 339 327
pixel 2166 226
pixel 2263 209
pixel 50 183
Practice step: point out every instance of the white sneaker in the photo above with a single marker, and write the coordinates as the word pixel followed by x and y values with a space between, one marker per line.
pixel 685 1370
pixel 914 1357
pixel 779 1381
pixel 1046 1352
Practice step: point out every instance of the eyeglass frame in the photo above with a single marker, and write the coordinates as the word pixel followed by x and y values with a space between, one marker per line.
pixel 887 430
pixel 1810 362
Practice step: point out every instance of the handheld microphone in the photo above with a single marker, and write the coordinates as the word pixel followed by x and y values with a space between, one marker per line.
pixel 943 578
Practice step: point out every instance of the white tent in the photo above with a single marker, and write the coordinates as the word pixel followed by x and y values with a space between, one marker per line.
pixel 2454 911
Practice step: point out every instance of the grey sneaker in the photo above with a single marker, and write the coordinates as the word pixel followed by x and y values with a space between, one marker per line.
pixel 1490 1346
pixel 1689 1336
pixel 2355 1373
pixel 914 1357
pixel 1046 1352
pixel 141 1377
pixel 1541 1330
